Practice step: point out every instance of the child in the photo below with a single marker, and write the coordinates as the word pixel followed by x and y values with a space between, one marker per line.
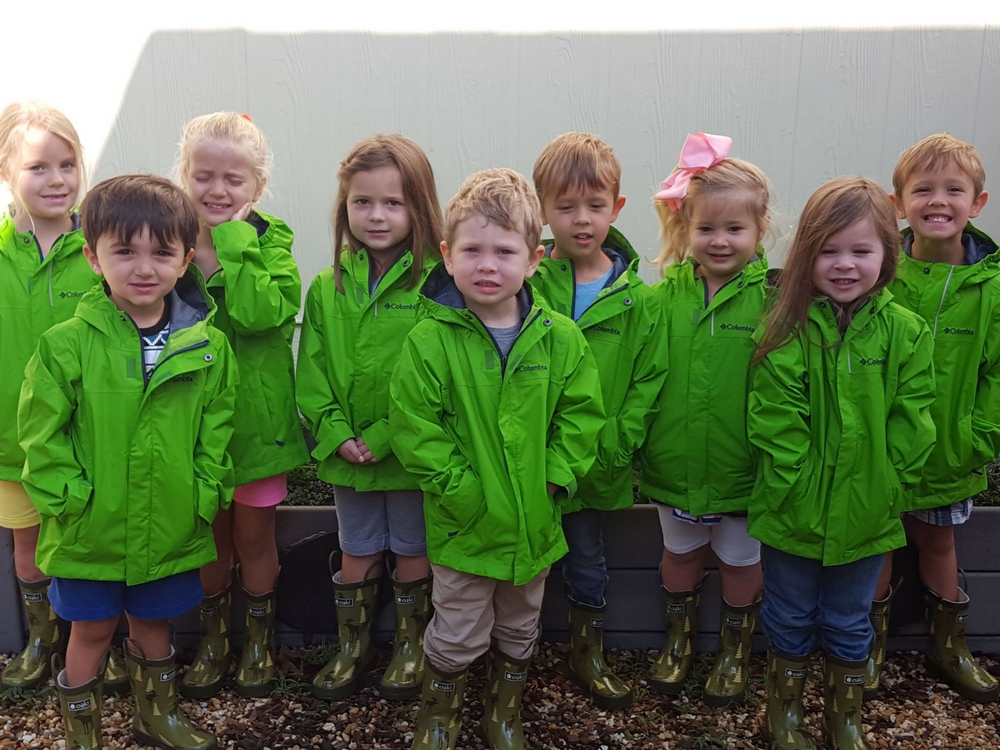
pixel 840 413
pixel 496 409
pixel 43 274
pixel 948 275
pixel 590 272
pixel 357 315
pixel 125 415
pixel 696 462
pixel 246 257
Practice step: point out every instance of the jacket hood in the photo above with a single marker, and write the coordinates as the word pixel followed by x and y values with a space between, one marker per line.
pixel 981 253
pixel 440 289
pixel 616 247
pixel 189 304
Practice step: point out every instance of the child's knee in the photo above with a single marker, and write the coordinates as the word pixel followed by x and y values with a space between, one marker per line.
pixel 935 540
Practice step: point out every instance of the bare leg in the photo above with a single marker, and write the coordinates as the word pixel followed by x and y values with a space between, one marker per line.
pixel 357 569
pixel 88 643
pixel 152 635
pixel 683 572
pixel 412 568
pixel 938 561
pixel 25 544
pixel 741 585
pixel 253 539
pixel 215 575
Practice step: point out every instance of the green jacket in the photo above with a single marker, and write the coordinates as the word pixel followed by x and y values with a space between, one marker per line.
pixel 257 292
pixel 347 348
pixel 127 476
pixel 35 294
pixel 961 304
pixel 625 329
pixel 483 434
pixel 697 456
pixel 842 425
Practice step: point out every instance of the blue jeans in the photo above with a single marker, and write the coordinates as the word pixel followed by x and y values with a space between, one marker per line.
pixel 803 599
pixel 584 570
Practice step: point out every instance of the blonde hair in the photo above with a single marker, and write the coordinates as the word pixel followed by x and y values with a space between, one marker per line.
pixel 419 194
pixel 20 117
pixel 934 152
pixel 225 126
pixel 742 180
pixel 837 205
pixel 579 160
pixel 501 196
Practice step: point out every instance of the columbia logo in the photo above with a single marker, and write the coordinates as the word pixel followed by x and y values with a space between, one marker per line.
pixel 210 612
pixel 737 327
pixel 343 601
pixel 64 295
pixel 84 705
pixel 854 679
pixel 795 674
pixel 183 379
pixel 597 622
pixel 32 597
pixel 734 622
pixel 960 331
pixel 676 609
pixel 530 368
pixel 607 329
pixel 872 361
pixel 168 676
pixel 515 676
pixel 407 599
pixel 256 611
pixel 398 306
pixel 443 687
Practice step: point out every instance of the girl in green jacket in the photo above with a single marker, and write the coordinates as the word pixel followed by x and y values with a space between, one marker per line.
pixel 43 274
pixel 246 257
pixel 839 411
pixel 387 226
pixel 696 461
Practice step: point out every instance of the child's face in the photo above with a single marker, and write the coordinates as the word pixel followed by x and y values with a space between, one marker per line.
pixel 220 180
pixel 579 220
pixel 849 263
pixel 723 235
pixel 140 273
pixel 376 209
pixel 489 265
pixel 937 204
pixel 45 177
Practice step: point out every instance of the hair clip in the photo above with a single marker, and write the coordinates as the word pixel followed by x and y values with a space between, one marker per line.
pixel 246 117
pixel 701 151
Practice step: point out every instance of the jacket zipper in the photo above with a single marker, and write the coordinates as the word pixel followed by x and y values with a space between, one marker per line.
pixel 941 303
pixel 500 356
pixel 622 288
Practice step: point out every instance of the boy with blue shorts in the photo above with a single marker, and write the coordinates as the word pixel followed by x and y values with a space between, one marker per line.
pixel 125 417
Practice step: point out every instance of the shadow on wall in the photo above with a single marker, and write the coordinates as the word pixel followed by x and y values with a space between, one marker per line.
pixel 805 106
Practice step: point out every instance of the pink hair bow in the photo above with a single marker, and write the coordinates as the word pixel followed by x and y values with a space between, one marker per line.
pixel 700 151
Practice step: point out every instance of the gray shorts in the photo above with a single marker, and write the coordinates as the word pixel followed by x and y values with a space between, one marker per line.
pixel 372 522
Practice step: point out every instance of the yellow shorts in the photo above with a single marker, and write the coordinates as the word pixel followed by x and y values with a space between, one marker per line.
pixel 16 509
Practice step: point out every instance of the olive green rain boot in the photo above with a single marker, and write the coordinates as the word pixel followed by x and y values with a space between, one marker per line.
pixel 158 721
pixel 786 682
pixel 81 711
pixel 505 681
pixel 671 668
pixel 843 693
pixel 727 682
pixel 210 667
pixel 440 716
pixel 47 635
pixel 356 603
pixel 586 665
pixel 256 674
pixel 949 653
pixel 404 677
pixel 115 674
pixel 879 618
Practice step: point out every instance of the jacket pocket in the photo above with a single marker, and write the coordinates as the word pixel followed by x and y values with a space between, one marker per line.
pixel 466 505
pixel 262 410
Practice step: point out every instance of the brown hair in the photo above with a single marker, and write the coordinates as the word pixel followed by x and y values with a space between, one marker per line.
pixel 837 205
pixel 576 160
pixel 419 193
pixel 122 206
pixel 932 153
pixel 501 196
pixel 738 179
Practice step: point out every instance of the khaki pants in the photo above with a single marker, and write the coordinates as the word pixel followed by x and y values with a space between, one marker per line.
pixel 469 610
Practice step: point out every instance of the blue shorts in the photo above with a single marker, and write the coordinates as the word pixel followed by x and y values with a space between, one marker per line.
pixel 80 600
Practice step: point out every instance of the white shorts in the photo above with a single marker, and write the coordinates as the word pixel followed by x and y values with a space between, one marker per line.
pixel 728 537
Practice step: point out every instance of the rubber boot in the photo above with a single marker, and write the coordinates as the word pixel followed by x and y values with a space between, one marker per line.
pixel 115 674
pixel 404 677
pixel 81 711
pixel 671 668
pixel 727 682
pixel 347 669
pixel 505 681
pixel 586 665
pixel 879 618
pixel 208 671
pixel 843 693
pixel 786 682
pixel 158 721
pixel 949 653
pixel 47 635
pixel 440 716
pixel 257 673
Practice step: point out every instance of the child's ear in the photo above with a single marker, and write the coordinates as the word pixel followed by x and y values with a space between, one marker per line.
pixel 765 224
pixel 188 257
pixel 978 204
pixel 446 255
pixel 261 184
pixel 92 259
pixel 897 203
pixel 533 261
pixel 619 205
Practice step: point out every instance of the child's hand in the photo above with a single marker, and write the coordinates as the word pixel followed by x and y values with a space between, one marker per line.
pixel 552 488
pixel 366 455
pixel 348 451
pixel 242 214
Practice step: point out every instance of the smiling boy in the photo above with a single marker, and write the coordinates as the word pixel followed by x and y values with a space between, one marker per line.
pixel 949 274
pixel 496 410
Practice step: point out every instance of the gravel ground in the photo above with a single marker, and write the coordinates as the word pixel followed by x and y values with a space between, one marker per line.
pixel 921 714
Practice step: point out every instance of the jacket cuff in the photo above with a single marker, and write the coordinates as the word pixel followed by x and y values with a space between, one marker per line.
pixel 329 438
pixel 376 437
pixel 233 235
pixel 557 472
